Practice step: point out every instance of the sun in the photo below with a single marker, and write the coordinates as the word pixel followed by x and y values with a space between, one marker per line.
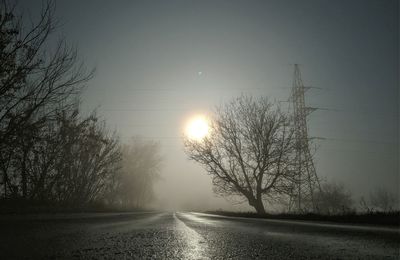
pixel 197 128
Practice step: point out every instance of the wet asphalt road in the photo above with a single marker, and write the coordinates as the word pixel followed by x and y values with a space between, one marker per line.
pixel 169 235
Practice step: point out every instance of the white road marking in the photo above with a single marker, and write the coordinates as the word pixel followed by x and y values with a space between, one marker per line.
pixel 196 246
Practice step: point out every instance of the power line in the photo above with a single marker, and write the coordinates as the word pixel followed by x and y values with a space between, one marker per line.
pixel 360 141
pixel 143 109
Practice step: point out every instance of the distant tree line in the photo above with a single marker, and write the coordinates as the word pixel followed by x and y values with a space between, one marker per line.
pixel 140 165
pixel 49 152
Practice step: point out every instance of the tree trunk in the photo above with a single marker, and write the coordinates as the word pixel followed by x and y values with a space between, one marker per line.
pixel 258 205
pixel 24 177
pixel 5 183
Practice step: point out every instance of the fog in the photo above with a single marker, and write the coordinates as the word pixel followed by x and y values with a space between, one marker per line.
pixel 159 63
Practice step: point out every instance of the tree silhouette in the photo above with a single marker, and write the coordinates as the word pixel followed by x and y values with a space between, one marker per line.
pixel 139 170
pixel 34 83
pixel 333 198
pixel 384 200
pixel 248 152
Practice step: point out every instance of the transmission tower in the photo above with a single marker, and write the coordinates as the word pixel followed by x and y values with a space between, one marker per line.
pixel 306 182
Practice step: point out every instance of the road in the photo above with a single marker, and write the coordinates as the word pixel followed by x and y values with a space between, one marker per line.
pixel 181 235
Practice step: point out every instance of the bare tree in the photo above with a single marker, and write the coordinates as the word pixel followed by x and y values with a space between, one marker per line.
pixel 72 161
pixel 333 198
pixel 248 152
pixel 141 162
pixel 383 200
pixel 87 160
pixel 34 83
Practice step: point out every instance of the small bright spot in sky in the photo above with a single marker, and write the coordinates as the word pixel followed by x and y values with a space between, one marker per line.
pixel 197 128
pixel 200 73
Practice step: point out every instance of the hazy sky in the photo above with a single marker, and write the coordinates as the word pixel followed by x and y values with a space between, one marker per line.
pixel 160 62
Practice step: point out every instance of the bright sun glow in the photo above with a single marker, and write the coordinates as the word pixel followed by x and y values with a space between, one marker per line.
pixel 197 128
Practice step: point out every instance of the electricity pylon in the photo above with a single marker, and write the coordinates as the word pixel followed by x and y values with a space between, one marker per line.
pixel 306 181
